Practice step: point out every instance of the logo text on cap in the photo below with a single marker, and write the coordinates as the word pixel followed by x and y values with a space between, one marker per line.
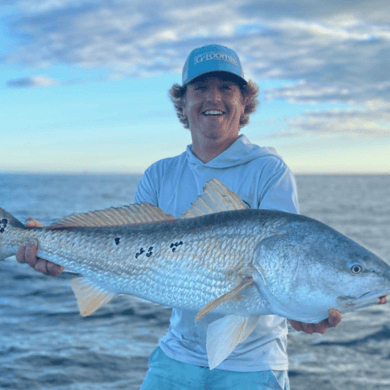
pixel 215 56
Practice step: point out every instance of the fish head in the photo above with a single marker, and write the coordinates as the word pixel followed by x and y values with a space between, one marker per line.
pixel 366 279
pixel 308 268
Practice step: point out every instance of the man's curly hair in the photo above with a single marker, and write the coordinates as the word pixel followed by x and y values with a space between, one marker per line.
pixel 249 94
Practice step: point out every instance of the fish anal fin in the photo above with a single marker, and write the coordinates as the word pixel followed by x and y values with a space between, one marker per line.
pixel 116 216
pixel 89 298
pixel 225 334
pixel 246 282
pixel 216 197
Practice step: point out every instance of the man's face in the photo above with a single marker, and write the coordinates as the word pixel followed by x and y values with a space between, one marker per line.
pixel 213 106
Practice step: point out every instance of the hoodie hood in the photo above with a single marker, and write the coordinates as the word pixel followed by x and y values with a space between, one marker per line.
pixel 240 152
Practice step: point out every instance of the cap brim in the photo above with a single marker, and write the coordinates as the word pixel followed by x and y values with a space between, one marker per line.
pixel 231 76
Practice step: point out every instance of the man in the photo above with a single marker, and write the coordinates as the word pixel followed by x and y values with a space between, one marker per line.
pixel 214 102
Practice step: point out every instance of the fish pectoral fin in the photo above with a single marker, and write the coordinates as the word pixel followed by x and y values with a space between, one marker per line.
pixel 224 334
pixel 246 282
pixel 89 297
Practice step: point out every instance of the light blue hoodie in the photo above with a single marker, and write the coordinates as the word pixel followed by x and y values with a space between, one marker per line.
pixel 262 180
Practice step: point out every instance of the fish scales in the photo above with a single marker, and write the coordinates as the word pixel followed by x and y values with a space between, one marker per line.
pixel 196 271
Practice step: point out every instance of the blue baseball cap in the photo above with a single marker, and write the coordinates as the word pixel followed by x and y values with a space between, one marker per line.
pixel 212 58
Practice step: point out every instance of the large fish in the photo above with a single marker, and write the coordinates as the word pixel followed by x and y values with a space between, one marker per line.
pixel 220 257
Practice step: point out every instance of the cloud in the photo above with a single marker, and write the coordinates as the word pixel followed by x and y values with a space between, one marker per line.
pixel 127 37
pixel 28 82
pixel 330 51
pixel 38 6
pixel 372 121
pixel 315 92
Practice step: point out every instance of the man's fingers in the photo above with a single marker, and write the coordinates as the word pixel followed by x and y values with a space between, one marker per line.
pixel 298 326
pixel 309 328
pixel 20 254
pixel 48 268
pixel 330 322
pixel 27 253
pixel 334 318
pixel 53 269
pixel 321 327
pixel 41 266
pixel 30 254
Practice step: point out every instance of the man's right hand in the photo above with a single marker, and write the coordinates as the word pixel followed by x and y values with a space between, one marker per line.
pixel 27 254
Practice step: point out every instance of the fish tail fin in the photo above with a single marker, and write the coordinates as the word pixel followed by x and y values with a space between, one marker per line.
pixel 8 223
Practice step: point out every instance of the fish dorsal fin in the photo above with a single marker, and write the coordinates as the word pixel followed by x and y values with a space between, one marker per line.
pixel 89 297
pixel 224 334
pixel 116 216
pixel 216 197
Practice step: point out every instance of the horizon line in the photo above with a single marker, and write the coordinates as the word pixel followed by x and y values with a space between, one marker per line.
pixel 85 172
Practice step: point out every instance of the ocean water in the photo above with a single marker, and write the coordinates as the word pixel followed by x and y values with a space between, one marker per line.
pixel 46 344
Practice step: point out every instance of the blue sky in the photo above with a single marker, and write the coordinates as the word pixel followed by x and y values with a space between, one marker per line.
pixel 84 84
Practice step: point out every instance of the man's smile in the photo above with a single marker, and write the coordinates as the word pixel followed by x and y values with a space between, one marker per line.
pixel 213 113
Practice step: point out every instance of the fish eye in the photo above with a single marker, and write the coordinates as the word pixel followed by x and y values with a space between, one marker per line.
pixel 356 269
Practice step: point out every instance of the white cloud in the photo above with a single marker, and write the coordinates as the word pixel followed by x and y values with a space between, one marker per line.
pixel 39 6
pixel 372 121
pixel 29 82
pixel 331 51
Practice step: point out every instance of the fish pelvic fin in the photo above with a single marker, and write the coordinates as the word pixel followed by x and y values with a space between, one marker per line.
pixel 89 297
pixel 246 282
pixel 225 334
pixel 116 216
pixel 216 197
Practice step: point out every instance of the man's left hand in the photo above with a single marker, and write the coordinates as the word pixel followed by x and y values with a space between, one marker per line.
pixel 321 327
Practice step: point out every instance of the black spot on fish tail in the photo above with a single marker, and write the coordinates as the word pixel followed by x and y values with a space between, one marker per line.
pixel 2 230
pixel 117 240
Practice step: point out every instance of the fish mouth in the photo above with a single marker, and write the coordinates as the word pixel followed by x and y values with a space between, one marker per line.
pixel 367 299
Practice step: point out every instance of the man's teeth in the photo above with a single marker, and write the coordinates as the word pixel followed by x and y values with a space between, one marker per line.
pixel 213 112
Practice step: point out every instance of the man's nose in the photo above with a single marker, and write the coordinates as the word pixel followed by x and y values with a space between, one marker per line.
pixel 213 95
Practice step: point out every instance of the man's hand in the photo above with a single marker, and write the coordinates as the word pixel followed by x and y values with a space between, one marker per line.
pixel 27 254
pixel 321 327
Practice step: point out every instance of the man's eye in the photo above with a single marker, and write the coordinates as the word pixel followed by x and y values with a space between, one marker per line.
pixel 199 87
pixel 226 87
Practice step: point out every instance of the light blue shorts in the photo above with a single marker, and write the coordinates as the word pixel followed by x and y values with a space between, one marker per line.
pixel 167 374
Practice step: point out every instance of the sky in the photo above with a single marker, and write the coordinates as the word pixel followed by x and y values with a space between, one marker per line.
pixel 84 84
